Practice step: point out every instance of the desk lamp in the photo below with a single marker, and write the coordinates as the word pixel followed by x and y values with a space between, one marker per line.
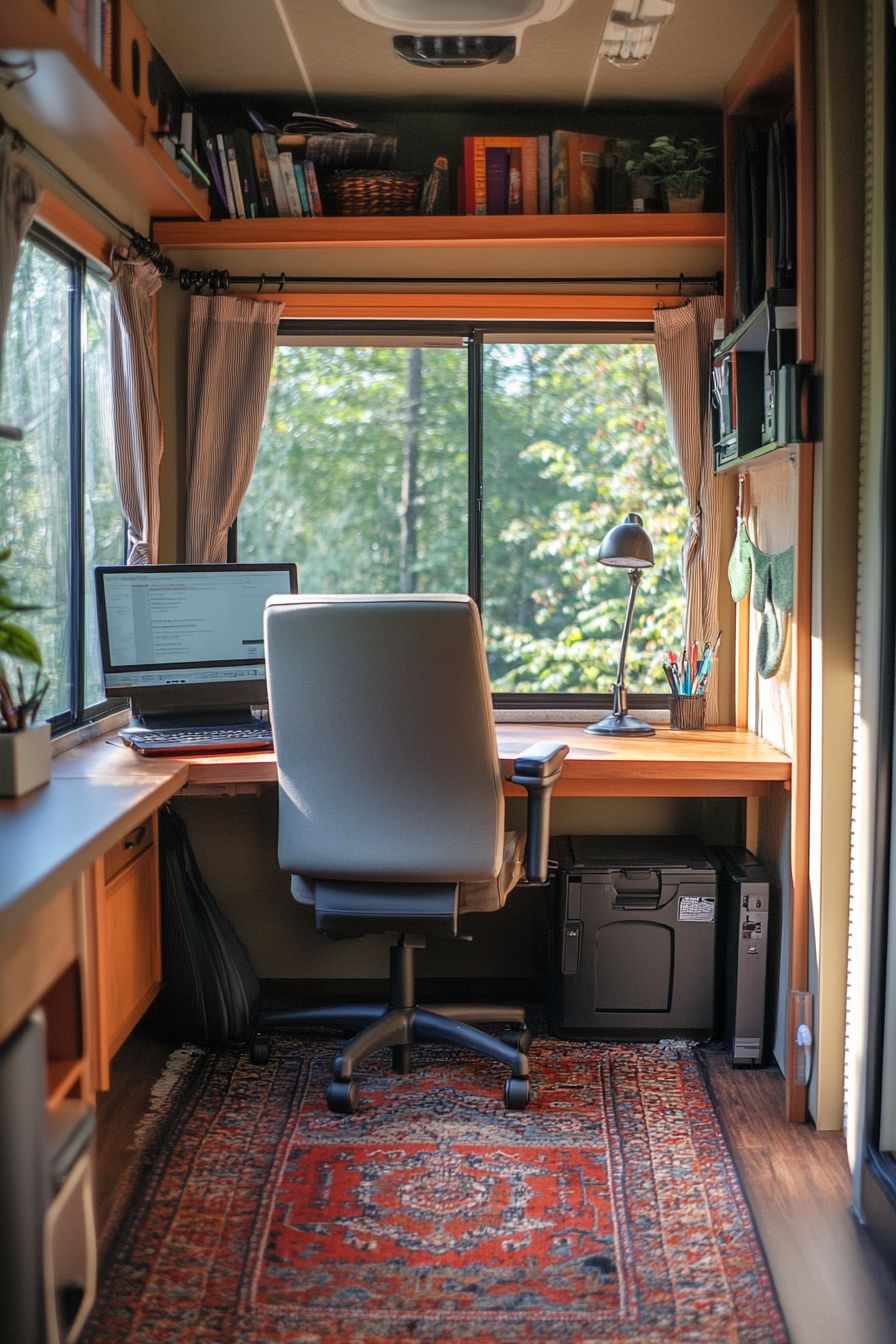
pixel 625 547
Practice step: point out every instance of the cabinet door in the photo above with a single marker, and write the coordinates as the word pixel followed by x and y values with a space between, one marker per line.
pixel 128 938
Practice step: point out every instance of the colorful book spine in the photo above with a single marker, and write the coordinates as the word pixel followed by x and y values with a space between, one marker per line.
pixel 475 147
pixel 289 182
pixel 544 174
pixel 225 176
pixel 234 173
pixel 584 155
pixel 560 172
pixel 497 180
pixel 514 180
pixel 474 174
pixel 272 154
pixel 312 189
pixel 529 151
pixel 267 204
pixel 299 174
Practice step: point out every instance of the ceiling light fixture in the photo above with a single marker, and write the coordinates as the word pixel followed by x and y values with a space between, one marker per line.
pixel 458 33
pixel 631 30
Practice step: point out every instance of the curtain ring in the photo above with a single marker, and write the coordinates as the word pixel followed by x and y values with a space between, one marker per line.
pixel 261 283
pixel 282 282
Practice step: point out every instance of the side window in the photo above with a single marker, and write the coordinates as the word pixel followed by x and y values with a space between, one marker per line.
pixel 367 463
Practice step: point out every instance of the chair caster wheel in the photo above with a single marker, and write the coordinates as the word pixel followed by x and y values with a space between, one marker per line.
pixel 343 1098
pixel 518 1038
pixel 259 1049
pixel 516 1094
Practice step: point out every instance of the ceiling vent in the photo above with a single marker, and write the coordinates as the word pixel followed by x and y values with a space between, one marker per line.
pixel 457 33
pixel 632 28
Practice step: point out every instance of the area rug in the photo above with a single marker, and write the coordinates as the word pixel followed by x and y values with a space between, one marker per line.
pixel 607 1213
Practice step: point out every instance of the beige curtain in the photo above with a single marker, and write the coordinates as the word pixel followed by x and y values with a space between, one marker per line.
pixel 684 354
pixel 137 420
pixel 228 370
pixel 20 197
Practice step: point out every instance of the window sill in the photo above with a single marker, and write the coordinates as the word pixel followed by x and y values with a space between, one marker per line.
pixel 88 732
pixel 571 715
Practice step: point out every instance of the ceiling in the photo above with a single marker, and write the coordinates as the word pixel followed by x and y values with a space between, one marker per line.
pixel 320 55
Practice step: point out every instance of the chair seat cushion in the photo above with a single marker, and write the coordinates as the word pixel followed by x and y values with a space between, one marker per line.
pixel 487 895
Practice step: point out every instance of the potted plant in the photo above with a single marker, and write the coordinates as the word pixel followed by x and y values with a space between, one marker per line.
pixel 681 169
pixel 645 196
pixel 24 744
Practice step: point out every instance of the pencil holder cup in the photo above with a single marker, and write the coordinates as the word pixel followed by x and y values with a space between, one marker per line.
pixel 687 711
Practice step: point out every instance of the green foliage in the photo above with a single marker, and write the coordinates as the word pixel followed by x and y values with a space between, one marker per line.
pixel 574 438
pixel 683 169
pixel 14 641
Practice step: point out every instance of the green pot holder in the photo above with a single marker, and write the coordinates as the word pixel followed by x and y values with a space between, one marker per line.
pixel 772 580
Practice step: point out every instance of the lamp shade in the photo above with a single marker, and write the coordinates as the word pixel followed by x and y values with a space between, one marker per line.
pixel 627 546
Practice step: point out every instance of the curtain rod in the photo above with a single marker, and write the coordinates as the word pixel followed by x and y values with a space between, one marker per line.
pixel 220 281
pixel 143 246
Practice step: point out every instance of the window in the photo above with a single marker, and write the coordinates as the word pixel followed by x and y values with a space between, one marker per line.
pixel 372 453
pixel 58 508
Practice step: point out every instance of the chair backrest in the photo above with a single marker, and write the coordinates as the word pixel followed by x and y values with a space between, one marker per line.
pixel 385 738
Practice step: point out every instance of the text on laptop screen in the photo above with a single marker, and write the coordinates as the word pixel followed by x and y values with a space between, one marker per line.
pixel 183 625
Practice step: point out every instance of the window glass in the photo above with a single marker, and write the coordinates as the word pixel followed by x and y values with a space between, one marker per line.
pixel 362 470
pixel 574 438
pixel 35 474
pixel 103 527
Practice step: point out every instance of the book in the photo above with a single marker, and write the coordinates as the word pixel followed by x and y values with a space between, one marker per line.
pixel 515 181
pixel 225 176
pixel 186 129
pixel 278 186
pixel 289 182
pixel 267 206
pixel 78 21
pixel 497 180
pixel 242 145
pixel 584 157
pixel 299 174
pixel 358 150
pixel 95 36
pixel 312 188
pixel 209 149
pixel 434 196
pixel 560 172
pixel 544 174
pixel 474 170
pixel 308 123
pixel 234 177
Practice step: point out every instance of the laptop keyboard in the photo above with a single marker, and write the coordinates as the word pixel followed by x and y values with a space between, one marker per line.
pixel 210 740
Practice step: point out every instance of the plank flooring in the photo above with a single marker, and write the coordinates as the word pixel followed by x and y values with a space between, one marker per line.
pixel 832 1284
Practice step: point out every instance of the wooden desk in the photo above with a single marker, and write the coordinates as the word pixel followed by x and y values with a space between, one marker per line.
pixel 717 762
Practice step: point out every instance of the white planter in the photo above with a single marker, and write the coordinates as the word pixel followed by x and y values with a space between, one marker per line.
pixel 24 760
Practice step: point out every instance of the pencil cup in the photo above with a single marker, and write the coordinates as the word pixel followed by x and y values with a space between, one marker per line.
pixel 687 711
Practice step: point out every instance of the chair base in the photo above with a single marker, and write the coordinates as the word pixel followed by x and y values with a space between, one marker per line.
pixel 401 1024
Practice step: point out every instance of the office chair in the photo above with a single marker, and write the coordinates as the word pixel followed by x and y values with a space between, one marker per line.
pixel 392 808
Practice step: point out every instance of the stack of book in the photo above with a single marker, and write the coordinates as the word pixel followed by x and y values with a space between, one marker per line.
pixel 564 173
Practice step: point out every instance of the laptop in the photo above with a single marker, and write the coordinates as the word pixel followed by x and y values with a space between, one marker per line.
pixel 186 644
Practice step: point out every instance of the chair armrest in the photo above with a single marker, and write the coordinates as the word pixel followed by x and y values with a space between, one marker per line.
pixel 538 770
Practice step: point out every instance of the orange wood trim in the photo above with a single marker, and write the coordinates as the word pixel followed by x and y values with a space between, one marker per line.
pixel 769 58
pixel 74 228
pixel 805 157
pixel 732 130
pixel 101 958
pixel 157 908
pixel 124 1029
pixel 742 654
pixel 651 788
pixel 695 230
pixel 471 307
pixel 802 706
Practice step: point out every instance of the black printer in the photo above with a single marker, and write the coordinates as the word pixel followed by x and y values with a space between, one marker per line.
pixel 633 938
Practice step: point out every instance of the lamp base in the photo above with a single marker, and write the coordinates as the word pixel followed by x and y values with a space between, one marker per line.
pixel 622 725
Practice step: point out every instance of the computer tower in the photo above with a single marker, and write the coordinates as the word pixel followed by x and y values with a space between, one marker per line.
pixel 633 938
pixel 746 929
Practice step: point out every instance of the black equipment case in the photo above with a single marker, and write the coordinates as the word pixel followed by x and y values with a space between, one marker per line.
pixel 633 938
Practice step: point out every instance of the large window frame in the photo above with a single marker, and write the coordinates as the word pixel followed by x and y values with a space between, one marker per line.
pixel 475 335
pixel 77 714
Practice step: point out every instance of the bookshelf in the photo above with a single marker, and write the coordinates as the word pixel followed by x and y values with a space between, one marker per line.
pixel 102 123
pixel 415 231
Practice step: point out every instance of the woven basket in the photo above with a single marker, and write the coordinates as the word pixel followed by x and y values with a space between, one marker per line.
pixel 365 191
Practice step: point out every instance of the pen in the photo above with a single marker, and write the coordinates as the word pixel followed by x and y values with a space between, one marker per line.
pixel 670 678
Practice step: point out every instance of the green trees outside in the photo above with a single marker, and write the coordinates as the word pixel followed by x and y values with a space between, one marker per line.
pixel 362 480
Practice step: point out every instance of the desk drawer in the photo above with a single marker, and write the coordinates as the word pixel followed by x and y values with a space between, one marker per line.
pixel 128 848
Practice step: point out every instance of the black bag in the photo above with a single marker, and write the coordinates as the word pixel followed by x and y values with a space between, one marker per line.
pixel 211 993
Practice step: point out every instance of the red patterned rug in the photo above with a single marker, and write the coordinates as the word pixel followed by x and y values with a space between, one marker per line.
pixel 607 1213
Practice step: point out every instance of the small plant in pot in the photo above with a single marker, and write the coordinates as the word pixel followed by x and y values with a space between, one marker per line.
pixel 24 744
pixel 682 169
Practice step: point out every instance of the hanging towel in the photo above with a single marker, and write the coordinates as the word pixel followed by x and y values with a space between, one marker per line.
pixel 772 581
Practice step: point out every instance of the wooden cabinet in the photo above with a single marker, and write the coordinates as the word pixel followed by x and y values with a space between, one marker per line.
pixel 127 940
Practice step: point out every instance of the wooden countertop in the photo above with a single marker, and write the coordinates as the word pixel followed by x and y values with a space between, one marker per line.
pixel 97 794
pixel 716 762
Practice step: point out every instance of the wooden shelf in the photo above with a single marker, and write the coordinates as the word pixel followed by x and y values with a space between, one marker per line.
pixel 106 128
pixel 416 231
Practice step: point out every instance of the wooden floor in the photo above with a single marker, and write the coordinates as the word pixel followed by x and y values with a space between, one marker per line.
pixel 832 1285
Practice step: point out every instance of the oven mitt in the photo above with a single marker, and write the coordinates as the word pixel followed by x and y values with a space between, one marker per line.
pixel 772 577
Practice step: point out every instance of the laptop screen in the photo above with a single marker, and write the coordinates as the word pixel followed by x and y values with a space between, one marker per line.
pixel 189 626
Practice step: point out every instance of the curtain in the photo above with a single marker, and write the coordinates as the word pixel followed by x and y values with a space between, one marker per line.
pixel 20 196
pixel 684 354
pixel 137 420
pixel 228 370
